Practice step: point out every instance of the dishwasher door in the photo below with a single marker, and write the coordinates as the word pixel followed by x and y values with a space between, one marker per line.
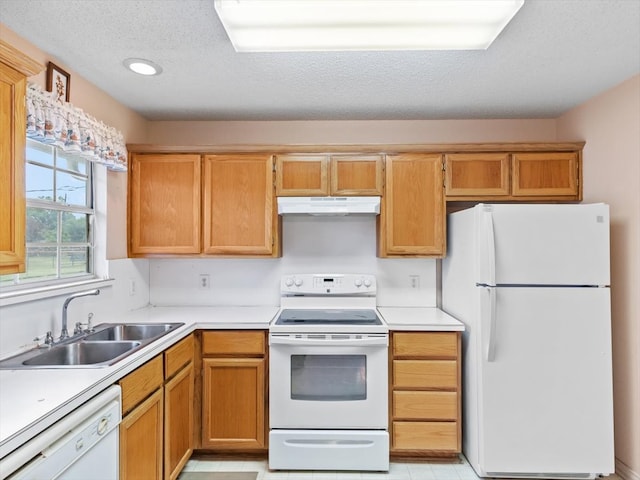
pixel 82 445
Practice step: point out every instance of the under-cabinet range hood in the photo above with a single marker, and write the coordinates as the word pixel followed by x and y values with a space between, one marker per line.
pixel 328 205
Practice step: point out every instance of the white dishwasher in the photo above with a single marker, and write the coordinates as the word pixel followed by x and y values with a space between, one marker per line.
pixel 82 445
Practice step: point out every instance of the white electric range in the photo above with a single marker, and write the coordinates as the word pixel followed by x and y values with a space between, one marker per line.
pixel 328 381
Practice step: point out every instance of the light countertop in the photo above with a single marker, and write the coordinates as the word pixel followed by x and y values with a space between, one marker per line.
pixel 31 400
pixel 419 319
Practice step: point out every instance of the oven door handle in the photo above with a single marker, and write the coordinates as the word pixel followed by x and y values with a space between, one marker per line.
pixel 330 340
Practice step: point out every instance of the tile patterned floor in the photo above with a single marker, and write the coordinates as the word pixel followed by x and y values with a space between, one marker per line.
pixel 455 470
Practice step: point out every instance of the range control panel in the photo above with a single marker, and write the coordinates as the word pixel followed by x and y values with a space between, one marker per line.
pixel 314 284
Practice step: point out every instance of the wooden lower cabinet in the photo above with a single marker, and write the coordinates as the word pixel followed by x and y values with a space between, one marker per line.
pixel 425 393
pixel 233 390
pixel 178 408
pixel 141 440
pixel 156 433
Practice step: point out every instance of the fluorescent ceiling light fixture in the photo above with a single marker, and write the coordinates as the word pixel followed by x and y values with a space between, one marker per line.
pixel 142 66
pixel 333 25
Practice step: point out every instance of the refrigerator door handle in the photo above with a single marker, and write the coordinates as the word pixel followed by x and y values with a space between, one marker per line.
pixel 489 320
pixel 487 254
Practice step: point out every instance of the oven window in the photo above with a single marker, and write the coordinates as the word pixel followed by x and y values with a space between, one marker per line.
pixel 329 377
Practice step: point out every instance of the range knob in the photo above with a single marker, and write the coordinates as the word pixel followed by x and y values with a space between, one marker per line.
pixel 298 282
pixel 367 282
pixel 288 282
pixel 358 282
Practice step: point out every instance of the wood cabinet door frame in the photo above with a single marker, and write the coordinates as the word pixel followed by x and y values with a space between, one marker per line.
pixel 184 430
pixel 302 175
pixel 233 397
pixel 246 202
pixel 474 174
pixel 129 421
pixel 356 175
pixel 545 174
pixel 171 219
pixel 413 206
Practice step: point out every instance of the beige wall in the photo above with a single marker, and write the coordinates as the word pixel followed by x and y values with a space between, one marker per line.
pixel 97 103
pixel 610 124
pixel 351 132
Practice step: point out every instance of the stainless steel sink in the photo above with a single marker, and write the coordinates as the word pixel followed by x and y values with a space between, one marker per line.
pixel 83 353
pixel 106 344
pixel 137 331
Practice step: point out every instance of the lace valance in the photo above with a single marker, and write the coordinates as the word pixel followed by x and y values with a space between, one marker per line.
pixel 72 130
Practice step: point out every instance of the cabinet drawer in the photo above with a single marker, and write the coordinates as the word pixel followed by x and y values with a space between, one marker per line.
pixel 441 436
pixel 177 356
pixel 425 374
pixel 425 405
pixel 234 342
pixel 425 344
pixel 140 383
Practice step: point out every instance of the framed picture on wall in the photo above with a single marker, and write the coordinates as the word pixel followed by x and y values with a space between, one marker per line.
pixel 59 82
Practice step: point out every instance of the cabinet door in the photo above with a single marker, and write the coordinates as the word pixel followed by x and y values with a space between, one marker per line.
pixel 545 174
pixel 141 440
pixel 178 422
pixel 239 213
pixel 356 175
pixel 412 217
pixel 233 403
pixel 302 175
pixel 164 204
pixel 477 174
pixel 14 68
pixel 12 147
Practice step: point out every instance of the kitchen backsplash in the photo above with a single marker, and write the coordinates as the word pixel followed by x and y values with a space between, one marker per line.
pixel 310 245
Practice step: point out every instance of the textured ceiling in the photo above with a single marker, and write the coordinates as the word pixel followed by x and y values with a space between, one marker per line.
pixel 554 55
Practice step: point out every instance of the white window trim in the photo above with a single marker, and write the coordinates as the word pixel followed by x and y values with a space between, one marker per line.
pixel 11 295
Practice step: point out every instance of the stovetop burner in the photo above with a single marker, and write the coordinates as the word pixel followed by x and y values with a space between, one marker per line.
pixel 331 316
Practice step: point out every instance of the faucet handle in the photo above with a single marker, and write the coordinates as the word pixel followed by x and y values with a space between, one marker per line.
pixel 78 328
pixel 48 339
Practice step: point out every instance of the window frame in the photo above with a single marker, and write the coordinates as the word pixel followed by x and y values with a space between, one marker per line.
pixel 19 282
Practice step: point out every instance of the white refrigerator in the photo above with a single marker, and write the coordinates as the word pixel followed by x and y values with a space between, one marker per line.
pixel 531 283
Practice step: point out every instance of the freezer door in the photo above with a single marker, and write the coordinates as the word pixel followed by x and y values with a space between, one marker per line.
pixel 545 388
pixel 542 244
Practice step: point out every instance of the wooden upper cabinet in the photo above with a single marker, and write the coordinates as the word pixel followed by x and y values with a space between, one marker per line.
pixel 239 211
pixel 412 217
pixel 356 175
pixel 545 174
pixel 477 174
pixel 515 176
pixel 323 175
pixel 164 204
pixel 15 67
pixel 302 175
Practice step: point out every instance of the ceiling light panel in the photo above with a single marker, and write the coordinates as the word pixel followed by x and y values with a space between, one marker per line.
pixel 332 25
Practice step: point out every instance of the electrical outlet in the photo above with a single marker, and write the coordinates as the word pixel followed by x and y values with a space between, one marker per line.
pixel 414 281
pixel 132 287
pixel 204 281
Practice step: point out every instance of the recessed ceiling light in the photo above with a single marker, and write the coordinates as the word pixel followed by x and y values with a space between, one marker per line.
pixel 142 66
pixel 331 25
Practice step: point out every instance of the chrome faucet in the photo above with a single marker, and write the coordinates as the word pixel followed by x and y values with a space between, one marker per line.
pixel 64 333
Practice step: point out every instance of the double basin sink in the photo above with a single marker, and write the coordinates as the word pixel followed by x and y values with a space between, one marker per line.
pixel 105 345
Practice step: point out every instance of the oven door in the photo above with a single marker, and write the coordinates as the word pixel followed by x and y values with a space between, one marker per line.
pixel 328 381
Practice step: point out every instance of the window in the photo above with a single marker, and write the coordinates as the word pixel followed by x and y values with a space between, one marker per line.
pixel 60 216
